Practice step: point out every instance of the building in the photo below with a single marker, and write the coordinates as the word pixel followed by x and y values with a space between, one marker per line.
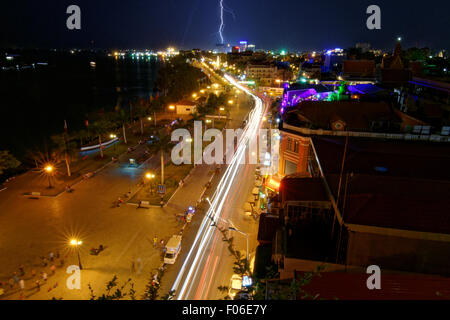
pixel 185 107
pixel 267 74
pixel 359 70
pixel 377 120
pixel 365 47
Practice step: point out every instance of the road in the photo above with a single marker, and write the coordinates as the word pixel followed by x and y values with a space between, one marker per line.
pixel 208 263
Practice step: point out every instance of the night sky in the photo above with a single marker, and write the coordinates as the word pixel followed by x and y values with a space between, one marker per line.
pixel 185 24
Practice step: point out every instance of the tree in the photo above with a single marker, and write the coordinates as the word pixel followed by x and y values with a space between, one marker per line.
pixel 140 112
pixel 7 161
pixel 114 291
pixel 121 117
pixel 162 144
pixel 64 148
pixel 102 127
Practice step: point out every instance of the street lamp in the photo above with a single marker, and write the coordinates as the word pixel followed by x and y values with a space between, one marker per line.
pixel 150 176
pixel 239 231
pixel 77 243
pixel 49 171
pixel 232 228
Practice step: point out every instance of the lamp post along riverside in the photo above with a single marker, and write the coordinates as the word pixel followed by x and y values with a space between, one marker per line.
pixel 77 243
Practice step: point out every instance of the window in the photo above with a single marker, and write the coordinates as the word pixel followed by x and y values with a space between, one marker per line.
pixel 289 167
pixel 289 144
pixel 296 146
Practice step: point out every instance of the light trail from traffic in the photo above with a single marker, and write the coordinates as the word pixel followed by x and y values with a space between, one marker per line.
pixel 192 265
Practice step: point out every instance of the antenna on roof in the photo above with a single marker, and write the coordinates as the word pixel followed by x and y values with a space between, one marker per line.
pixel 340 182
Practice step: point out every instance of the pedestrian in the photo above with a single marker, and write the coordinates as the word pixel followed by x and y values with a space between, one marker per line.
pixel 61 261
pixel 21 269
pixel 52 269
pixel 57 254
pixel 38 285
pixel 162 243
pixel 155 241
pixel 44 276
pixel 22 284
pixel 51 256
pixel 44 261
pixel 16 278
pixel 139 265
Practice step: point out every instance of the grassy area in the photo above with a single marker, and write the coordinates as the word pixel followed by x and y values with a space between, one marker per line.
pixel 172 176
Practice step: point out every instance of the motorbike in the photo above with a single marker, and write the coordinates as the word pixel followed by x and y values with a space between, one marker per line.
pixel 96 251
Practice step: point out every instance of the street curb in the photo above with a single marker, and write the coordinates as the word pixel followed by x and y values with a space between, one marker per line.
pixel 81 179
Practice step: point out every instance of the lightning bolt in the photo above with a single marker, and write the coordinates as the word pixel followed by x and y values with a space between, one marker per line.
pixel 222 24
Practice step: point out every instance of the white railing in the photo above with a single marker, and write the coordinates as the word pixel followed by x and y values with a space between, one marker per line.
pixel 393 136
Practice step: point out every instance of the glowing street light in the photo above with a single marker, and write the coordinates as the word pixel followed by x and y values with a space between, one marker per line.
pixel 149 118
pixel 194 95
pixel 49 169
pixel 77 243
pixel 112 136
pixel 171 107
pixel 149 176
pixel 230 101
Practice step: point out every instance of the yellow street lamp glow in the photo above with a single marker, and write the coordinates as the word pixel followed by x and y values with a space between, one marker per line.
pixel 150 176
pixel 149 118
pixel 230 101
pixel 208 121
pixel 194 95
pixel 75 242
pixel 202 91
pixel 172 107
pixel 222 109
pixel 49 168
pixel 112 136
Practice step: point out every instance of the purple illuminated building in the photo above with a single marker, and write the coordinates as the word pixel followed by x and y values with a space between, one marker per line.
pixel 298 92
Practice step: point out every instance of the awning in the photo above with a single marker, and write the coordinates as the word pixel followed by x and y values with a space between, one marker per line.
pixel 273 183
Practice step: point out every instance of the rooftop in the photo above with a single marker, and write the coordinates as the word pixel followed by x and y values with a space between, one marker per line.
pixel 186 103
pixel 293 188
pixel 390 184
pixel 358 116
pixel 352 286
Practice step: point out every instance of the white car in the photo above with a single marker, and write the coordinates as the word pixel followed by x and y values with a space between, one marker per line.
pixel 235 286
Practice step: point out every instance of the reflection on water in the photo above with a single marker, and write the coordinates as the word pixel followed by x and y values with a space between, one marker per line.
pixel 35 101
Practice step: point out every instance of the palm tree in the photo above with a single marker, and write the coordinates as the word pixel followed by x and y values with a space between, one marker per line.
pixel 64 148
pixel 163 144
pixel 140 111
pixel 101 127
